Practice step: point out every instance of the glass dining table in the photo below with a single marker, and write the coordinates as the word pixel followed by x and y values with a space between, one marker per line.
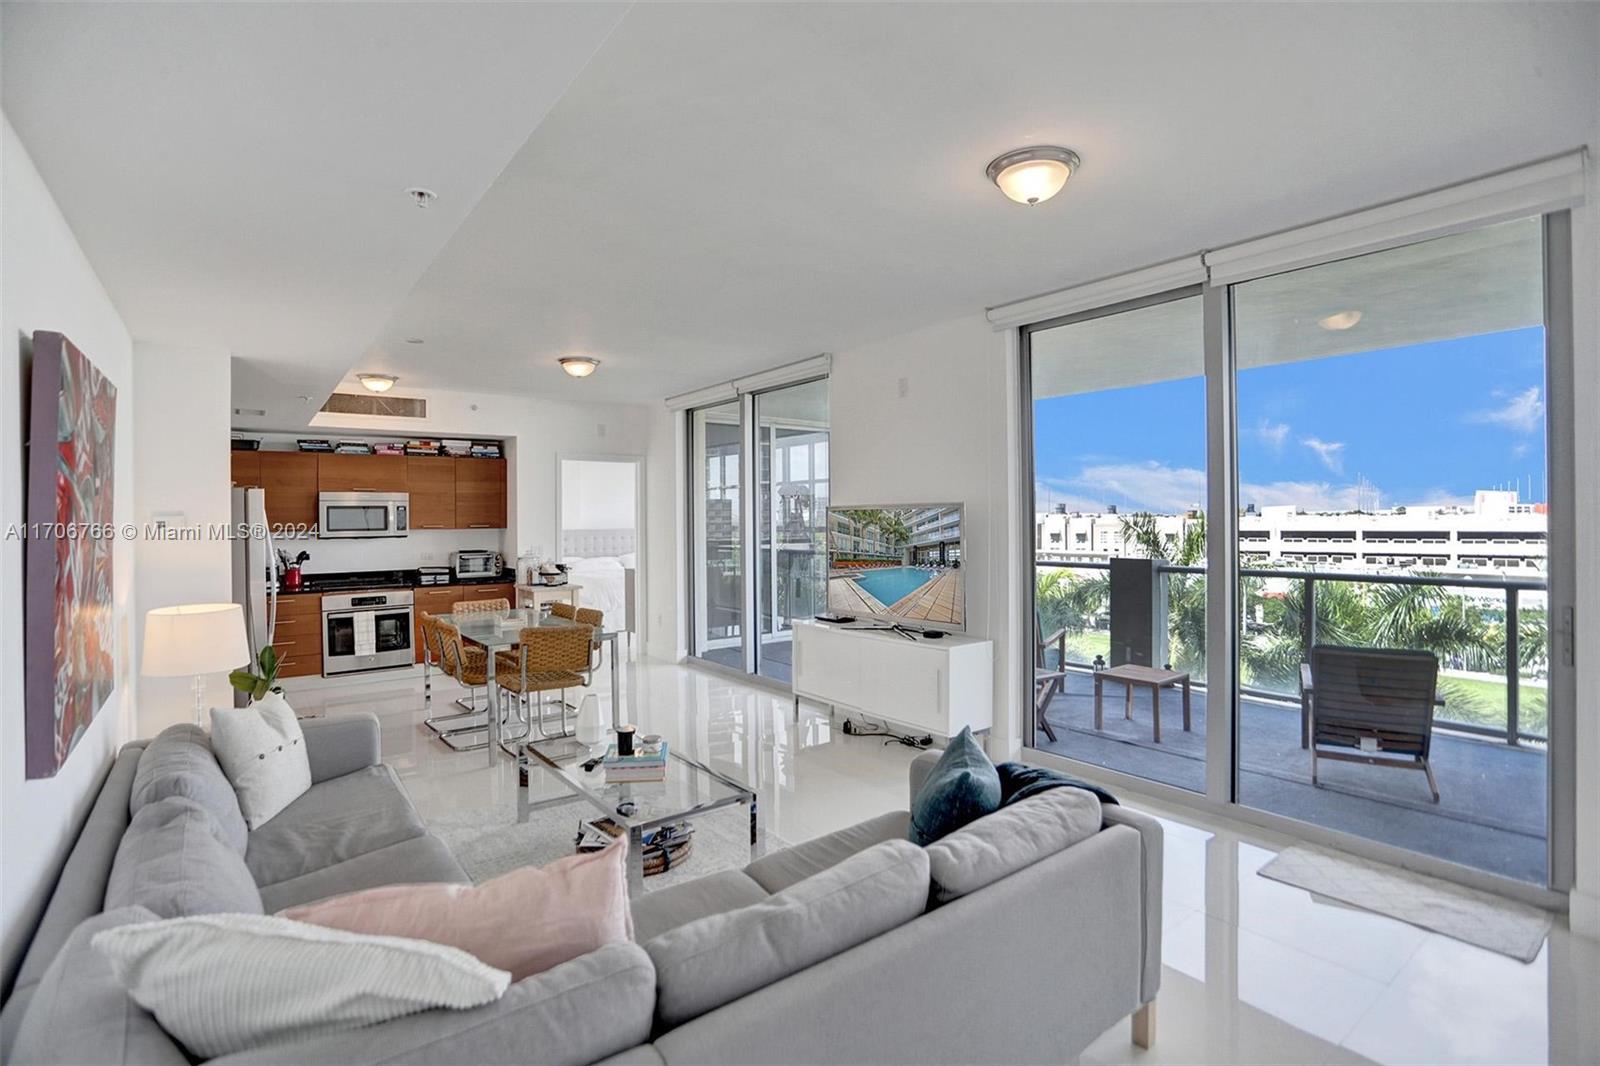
pixel 497 631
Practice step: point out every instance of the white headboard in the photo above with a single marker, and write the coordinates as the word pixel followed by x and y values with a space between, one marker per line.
pixel 588 543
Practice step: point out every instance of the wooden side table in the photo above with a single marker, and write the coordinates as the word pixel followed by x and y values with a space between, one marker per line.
pixel 1153 679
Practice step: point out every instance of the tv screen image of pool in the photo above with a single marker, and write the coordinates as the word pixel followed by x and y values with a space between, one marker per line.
pixel 898 564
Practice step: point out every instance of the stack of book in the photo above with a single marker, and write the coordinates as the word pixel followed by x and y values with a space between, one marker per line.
pixel 422 447
pixel 486 449
pixel 640 766
pixel 455 447
pixel 353 447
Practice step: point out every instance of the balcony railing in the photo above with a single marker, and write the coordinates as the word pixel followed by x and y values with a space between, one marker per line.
pixel 1510 590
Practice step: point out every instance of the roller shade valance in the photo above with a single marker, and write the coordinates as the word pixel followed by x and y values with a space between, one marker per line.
pixel 789 374
pixel 1548 185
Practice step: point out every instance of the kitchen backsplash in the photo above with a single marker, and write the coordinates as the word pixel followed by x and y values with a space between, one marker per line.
pixel 430 547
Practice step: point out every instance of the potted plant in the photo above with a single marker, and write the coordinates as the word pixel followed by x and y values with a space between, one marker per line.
pixel 260 687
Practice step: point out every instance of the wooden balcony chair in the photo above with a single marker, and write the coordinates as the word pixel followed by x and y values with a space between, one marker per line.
pixel 547 659
pixel 1372 705
pixel 1047 683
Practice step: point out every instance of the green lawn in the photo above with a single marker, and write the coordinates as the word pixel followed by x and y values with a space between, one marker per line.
pixel 1481 702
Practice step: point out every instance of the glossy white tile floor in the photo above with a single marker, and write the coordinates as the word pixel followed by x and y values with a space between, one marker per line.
pixel 1255 970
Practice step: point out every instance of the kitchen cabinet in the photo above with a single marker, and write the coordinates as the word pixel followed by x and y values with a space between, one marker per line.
pixel 290 479
pixel 441 599
pixel 431 481
pixel 297 637
pixel 361 473
pixel 245 469
pixel 480 493
pixel 446 492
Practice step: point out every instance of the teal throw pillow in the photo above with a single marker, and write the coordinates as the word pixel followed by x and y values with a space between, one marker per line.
pixel 962 786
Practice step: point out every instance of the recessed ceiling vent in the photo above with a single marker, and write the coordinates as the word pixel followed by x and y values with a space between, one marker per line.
pixel 367 403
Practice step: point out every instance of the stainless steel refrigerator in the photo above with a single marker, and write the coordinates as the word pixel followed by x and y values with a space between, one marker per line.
pixel 255 568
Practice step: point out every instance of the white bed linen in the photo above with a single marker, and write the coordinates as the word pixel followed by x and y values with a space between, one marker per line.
pixel 604 584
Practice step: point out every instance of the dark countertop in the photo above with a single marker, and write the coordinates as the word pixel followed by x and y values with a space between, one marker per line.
pixel 381 579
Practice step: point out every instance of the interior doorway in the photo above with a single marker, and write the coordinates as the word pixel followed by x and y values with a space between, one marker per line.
pixel 600 536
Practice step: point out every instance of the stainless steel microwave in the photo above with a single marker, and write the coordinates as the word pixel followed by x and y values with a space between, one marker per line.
pixel 363 514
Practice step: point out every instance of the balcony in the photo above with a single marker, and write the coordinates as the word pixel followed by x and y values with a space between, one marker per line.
pixel 1488 749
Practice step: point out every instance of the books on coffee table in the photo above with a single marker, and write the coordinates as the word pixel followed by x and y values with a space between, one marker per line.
pixel 640 766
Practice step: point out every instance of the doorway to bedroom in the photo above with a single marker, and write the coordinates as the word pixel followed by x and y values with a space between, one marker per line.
pixel 599 532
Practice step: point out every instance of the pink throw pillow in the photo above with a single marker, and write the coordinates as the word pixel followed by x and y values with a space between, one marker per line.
pixel 525 921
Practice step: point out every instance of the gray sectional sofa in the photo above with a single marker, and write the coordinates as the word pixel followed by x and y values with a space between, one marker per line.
pixel 856 947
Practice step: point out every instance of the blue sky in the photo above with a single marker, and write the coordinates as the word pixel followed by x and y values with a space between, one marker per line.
pixel 1427 423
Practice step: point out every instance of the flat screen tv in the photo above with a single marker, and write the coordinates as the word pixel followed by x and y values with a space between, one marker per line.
pixel 900 564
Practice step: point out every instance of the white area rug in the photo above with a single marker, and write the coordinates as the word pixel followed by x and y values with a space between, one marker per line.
pixel 489 841
pixel 1480 918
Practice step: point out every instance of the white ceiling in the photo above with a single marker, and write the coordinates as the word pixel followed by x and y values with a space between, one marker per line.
pixel 722 188
pixel 236 172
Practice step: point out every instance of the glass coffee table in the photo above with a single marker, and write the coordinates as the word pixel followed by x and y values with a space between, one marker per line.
pixel 638 807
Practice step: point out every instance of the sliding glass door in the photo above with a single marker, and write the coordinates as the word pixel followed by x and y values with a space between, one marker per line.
pixel 716 447
pixel 791 516
pixel 758 486
pixel 1119 476
pixel 1362 615
pixel 1393 637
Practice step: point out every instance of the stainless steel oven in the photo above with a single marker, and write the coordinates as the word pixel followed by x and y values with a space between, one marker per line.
pixel 363 514
pixel 366 631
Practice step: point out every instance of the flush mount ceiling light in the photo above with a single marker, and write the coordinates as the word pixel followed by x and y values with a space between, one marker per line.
pixel 377 382
pixel 578 366
pixel 1033 175
pixel 420 196
pixel 413 340
pixel 1339 320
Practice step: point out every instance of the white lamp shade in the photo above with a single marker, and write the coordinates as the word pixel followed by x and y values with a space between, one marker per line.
pixel 195 638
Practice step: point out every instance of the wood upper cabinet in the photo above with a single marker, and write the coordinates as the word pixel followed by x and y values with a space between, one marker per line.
pixel 361 473
pixel 431 481
pixel 480 493
pixel 245 469
pixel 290 479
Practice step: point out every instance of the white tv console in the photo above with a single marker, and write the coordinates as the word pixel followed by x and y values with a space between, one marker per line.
pixel 932 686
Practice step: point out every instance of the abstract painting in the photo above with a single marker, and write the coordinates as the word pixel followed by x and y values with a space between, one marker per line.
pixel 68 641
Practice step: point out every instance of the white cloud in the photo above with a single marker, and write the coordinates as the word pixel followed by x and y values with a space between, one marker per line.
pixel 1522 413
pixel 1307 495
pixel 1273 434
pixel 1162 489
pixel 1329 451
pixel 1148 486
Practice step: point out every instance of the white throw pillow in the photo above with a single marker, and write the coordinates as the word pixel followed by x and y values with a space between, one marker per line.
pixel 263 752
pixel 221 983
pixel 629 560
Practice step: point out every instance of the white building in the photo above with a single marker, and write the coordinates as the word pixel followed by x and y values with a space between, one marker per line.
pixel 1497 533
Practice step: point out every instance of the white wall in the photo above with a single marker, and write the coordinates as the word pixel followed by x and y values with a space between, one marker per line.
pixel 181 468
pixel 47 284
pixel 597 495
pixel 664 515
pixel 920 418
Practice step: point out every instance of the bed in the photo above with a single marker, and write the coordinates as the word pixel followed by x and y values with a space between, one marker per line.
pixel 605 563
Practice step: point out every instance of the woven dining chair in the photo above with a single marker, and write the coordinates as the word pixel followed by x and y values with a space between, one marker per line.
pixel 562 609
pixel 547 659
pixel 590 616
pixel 481 606
pixel 469 665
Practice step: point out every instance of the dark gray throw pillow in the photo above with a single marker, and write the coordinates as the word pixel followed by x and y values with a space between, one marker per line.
pixel 963 785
